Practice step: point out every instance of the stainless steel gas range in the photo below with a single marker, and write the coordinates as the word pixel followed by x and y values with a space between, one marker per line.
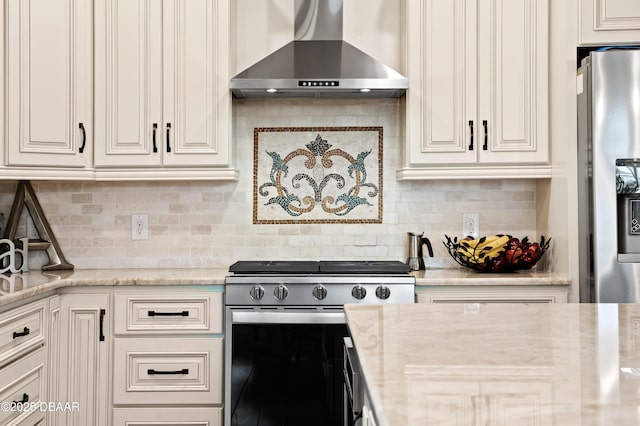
pixel 285 329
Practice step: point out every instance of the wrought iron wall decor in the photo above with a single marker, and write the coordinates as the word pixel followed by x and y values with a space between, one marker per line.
pixel 317 175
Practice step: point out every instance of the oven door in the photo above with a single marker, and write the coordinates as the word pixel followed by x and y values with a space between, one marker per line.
pixel 284 365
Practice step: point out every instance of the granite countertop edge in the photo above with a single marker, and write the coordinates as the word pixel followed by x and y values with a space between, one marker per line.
pixel 17 287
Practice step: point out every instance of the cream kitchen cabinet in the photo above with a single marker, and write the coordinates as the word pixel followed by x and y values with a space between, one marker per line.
pixel 168 350
pixel 48 99
pixel 477 104
pixel 162 103
pixel 472 400
pixel 609 22
pixel 23 362
pixel 53 357
pixel 84 367
pixel 472 295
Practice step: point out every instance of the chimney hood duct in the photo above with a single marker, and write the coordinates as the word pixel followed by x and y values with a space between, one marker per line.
pixel 318 63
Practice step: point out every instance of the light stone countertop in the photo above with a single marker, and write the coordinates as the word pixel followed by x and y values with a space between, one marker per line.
pixel 17 287
pixel 464 276
pixel 560 364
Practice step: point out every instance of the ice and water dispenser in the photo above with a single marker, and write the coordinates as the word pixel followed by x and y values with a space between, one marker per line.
pixel 628 208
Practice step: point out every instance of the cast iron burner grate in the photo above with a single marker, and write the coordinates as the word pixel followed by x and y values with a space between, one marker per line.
pixel 285 267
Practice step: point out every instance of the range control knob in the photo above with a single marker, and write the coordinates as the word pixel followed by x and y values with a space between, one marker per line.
pixel 383 292
pixel 256 292
pixel 281 292
pixel 359 292
pixel 319 292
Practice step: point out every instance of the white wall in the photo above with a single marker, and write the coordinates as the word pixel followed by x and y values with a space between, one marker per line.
pixel 558 197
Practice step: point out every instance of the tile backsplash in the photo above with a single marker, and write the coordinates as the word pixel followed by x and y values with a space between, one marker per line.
pixel 209 224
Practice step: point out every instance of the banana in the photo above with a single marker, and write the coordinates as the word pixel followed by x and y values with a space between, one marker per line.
pixel 483 249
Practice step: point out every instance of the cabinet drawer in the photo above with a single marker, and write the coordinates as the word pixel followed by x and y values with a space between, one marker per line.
pixel 20 329
pixel 23 380
pixel 191 313
pixel 168 371
pixel 167 416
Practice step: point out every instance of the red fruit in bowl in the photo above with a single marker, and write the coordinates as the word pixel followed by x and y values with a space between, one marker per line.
pixel 536 248
pixel 512 256
pixel 513 243
pixel 531 254
pixel 499 263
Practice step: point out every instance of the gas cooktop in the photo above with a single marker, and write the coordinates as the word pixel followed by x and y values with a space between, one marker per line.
pixel 285 267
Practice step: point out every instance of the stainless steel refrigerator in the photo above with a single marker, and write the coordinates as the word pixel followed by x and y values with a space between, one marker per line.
pixel 608 86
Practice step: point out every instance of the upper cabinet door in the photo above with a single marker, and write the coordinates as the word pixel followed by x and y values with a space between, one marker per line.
pixel 195 108
pixel 477 103
pixel 609 21
pixel 49 105
pixel 513 75
pixel 129 84
pixel 442 70
pixel 165 100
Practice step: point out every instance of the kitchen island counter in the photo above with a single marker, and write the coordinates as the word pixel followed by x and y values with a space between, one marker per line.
pixel 17 287
pixel 499 363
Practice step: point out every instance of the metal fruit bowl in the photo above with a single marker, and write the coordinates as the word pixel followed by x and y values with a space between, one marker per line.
pixel 496 253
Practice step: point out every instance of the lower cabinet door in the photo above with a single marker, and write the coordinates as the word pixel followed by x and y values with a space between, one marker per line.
pixel 23 388
pixel 197 416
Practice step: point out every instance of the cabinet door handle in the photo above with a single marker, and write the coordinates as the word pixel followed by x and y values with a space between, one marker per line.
pixel 168 314
pixel 152 371
pixel 168 140
pixel 155 145
pixel 25 398
pixel 84 137
pixel 471 133
pixel 102 314
pixel 25 331
pixel 486 135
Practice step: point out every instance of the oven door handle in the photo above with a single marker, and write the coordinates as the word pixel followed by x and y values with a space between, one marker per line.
pixel 279 317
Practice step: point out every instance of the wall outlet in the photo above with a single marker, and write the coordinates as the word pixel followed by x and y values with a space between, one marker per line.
pixel 470 225
pixel 139 226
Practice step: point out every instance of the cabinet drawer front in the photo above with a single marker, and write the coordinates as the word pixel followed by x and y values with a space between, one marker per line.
pixel 21 329
pixel 167 416
pixel 168 370
pixel 23 382
pixel 199 313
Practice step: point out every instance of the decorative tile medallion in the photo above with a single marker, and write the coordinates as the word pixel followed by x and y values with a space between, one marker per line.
pixel 317 175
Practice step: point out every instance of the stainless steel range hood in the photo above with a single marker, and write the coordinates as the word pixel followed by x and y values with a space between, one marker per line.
pixel 318 63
